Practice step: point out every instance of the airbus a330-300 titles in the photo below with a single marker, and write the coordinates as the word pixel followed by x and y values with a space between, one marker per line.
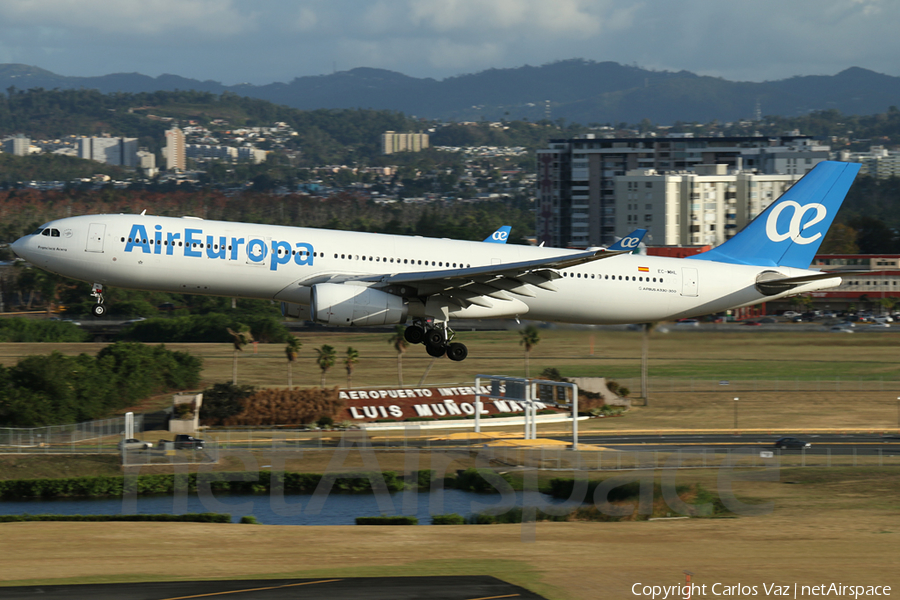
pixel 356 279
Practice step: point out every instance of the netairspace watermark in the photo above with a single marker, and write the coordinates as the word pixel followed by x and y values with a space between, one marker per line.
pixel 796 590
pixel 735 468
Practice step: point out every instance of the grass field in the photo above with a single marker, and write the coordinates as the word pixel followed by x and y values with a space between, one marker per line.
pixel 711 355
pixel 836 525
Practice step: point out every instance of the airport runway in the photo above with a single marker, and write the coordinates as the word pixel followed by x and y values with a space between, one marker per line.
pixel 480 587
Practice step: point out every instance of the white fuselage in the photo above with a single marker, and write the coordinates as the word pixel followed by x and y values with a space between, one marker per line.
pixel 194 256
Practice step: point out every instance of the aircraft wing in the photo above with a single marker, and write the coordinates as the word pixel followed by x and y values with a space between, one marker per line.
pixel 476 285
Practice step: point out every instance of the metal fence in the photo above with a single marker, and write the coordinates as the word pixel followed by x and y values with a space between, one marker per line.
pixel 93 437
pixel 838 384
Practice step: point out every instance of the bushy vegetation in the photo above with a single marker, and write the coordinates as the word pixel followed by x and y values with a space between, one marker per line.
pixel 223 400
pixel 42 331
pixel 185 518
pixel 481 481
pixel 387 521
pixel 272 407
pixel 207 328
pixel 451 519
pixel 219 482
pixel 56 389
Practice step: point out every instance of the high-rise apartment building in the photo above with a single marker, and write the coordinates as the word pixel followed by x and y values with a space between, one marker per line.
pixel 175 150
pixel 18 145
pixel 577 202
pixel 403 142
pixel 878 162
pixel 110 150
pixel 704 207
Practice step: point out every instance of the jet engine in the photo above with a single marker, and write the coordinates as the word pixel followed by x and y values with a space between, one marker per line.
pixel 340 304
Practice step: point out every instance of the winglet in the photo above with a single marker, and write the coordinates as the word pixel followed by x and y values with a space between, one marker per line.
pixel 630 241
pixel 789 232
pixel 500 236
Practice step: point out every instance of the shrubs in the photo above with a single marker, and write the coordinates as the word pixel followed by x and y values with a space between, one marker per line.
pixel 212 327
pixel 187 518
pixel 223 400
pixel 270 406
pixel 248 482
pixel 32 330
pixel 387 521
pixel 53 389
pixel 451 519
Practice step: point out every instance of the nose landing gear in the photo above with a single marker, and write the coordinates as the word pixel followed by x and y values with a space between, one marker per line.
pixel 99 309
pixel 436 337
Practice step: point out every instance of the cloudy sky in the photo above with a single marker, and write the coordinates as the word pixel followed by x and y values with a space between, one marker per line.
pixel 261 41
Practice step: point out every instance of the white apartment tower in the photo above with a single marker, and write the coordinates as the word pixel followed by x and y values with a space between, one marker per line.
pixel 175 150
pixel 121 152
pixel 704 207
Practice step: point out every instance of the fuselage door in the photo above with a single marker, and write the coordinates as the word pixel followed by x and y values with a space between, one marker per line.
pixel 689 282
pixel 96 233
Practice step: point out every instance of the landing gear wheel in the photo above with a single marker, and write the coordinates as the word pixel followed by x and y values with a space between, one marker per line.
pixel 434 337
pixel 435 351
pixel 414 334
pixel 457 352
pixel 98 310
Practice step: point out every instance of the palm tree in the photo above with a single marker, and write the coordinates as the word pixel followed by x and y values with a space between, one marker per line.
pixel 350 359
pixel 530 336
pixel 291 350
pixel 398 340
pixel 239 339
pixel 325 357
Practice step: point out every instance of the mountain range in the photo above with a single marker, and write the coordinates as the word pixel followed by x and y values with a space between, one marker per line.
pixel 575 90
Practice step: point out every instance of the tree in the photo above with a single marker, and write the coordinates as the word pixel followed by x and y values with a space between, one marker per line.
pixel 239 339
pixel 291 350
pixel 398 340
pixel 529 337
pixel 325 358
pixel 350 359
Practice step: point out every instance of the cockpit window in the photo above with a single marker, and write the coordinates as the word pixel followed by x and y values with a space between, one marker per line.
pixel 46 232
pixel 38 232
pixel 54 233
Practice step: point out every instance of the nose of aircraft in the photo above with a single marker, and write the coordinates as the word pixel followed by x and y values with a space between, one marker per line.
pixel 20 247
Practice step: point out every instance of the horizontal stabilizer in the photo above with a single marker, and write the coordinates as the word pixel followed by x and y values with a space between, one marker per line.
pixel 772 283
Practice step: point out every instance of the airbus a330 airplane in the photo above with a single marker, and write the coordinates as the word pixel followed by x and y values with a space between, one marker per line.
pixel 354 279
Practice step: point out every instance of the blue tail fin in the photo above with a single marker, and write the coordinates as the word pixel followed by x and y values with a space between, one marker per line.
pixel 789 232
pixel 500 236
pixel 630 241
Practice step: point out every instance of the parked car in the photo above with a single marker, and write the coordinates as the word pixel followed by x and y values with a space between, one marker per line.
pixel 791 443
pixel 688 323
pixel 188 442
pixel 133 444
pixel 790 314
pixel 751 323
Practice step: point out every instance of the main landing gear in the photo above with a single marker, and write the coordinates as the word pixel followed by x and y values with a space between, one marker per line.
pixel 99 309
pixel 436 337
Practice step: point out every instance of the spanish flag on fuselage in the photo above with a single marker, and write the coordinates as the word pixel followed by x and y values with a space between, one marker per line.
pixel 644 269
